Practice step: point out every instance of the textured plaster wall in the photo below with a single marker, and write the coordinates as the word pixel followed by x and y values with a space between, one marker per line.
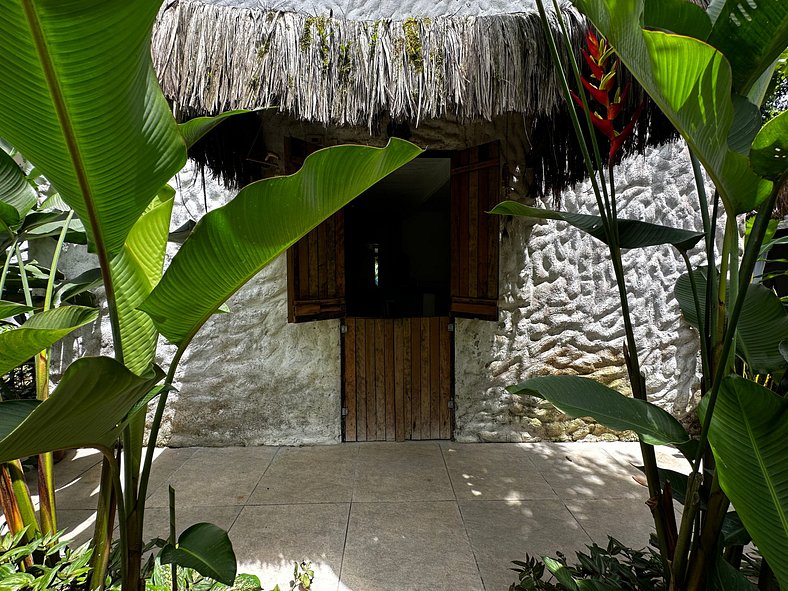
pixel 560 312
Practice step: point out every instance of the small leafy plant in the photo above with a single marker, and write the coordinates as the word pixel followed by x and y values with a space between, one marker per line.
pixel 45 563
pixel 614 567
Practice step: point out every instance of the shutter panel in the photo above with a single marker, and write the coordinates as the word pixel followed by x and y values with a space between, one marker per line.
pixel 475 189
pixel 316 263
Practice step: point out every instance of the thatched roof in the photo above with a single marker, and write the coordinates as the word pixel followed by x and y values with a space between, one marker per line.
pixel 352 62
pixel 214 56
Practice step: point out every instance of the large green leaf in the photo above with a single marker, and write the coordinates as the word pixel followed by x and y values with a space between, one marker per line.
pixel 677 16
pixel 762 326
pixel 39 332
pixel 690 81
pixel 206 548
pixel 80 100
pixel 724 577
pixel 769 153
pixel 749 438
pixel 17 196
pixel 11 309
pixel 135 272
pixel 87 409
pixel 751 34
pixel 632 233
pixel 584 397
pixel 232 243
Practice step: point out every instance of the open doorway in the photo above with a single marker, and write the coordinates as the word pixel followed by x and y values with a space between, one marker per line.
pixel 397 257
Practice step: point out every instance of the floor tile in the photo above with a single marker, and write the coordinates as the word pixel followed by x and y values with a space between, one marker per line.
pixel 494 472
pixel 418 546
pixel 78 523
pixel 157 519
pixel 401 472
pixel 321 474
pixel 585 470
pixel 216 476
pixel 79 492
pixel 502 531
pixel 269 539
pixel 627 520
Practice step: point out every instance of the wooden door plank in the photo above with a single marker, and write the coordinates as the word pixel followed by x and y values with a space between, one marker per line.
pixel 407 382
pixel 380 381
pixel 415 376
pixel 493 231
pixel 472 231
pixel 388 347
pixel 361 380
pixel 425 378
pixel 372 415
pixel 435 375
pixel 339 255
pixel 314 280
pixel 350 379
pixel 483 231
pixel 445 379
pixel 398 370
pixel 323 255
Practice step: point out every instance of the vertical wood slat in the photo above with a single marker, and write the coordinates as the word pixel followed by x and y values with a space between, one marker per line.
pixel 380 380
pixel 398 370
pixel 407 381
pixel 472 228
pixel 415 376
pixel 361 379
pixel 369 392
pixel 350 380
pixel 445 379
pixel 388 354
pixel 425 378
pixel 434 348
pixel 493 229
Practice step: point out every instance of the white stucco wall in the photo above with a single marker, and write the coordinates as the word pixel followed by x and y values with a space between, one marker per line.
pixel 560 311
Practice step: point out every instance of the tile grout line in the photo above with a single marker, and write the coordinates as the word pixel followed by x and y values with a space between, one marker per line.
pixel 349 512
pixel 462 519
pixel 246 502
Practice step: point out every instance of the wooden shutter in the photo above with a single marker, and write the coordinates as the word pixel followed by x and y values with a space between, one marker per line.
pixel 316 263
pixel 475 189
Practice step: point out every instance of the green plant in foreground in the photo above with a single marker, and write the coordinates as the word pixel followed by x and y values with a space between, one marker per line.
pixel 708 71
pixel 79 99
pixel 600 569
pixel 45 563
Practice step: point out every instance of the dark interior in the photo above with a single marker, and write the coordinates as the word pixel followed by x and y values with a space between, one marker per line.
pixel 397 244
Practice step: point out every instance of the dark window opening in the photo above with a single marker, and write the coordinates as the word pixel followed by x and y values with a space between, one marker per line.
pixel 397 244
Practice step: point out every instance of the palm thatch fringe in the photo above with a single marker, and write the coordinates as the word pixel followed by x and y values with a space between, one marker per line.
pixel 212 58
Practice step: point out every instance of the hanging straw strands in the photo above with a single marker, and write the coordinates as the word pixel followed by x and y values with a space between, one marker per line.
pixel 212 58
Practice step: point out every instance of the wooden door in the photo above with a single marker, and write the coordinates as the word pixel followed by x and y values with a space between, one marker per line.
pixel 397 380
pixel 316 263
pixel 475 190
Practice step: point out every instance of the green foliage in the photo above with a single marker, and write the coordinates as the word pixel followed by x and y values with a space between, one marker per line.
pixel 614 567
pixel 711 88
pixel 45 563
pixel 205 548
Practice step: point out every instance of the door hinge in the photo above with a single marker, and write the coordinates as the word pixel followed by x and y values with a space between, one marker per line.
pixel 451 327
pixel 343 328
pixel 451 403
pixel 344 411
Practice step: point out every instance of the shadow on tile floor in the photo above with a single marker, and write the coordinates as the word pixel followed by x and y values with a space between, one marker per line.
pixel 390 516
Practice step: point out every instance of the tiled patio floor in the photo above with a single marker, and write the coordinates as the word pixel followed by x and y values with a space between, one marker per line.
pixel 389 516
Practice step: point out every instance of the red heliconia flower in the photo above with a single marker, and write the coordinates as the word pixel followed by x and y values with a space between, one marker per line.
pixel 606 91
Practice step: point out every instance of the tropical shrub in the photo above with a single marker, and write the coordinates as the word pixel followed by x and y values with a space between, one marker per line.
pixel 79 100
pixel 708 71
